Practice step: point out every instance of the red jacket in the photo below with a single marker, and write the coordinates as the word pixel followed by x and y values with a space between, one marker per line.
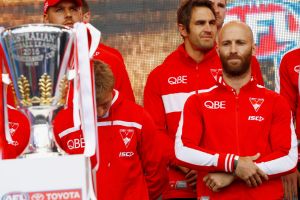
pixel 167 88
pixel 219 124
pixel 289 83
pixel 114 59
pixel 130 159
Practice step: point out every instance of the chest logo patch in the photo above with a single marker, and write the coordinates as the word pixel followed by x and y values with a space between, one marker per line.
pixel 297 68
pixel 13 127
pixel 126 135
pixel 256 103
pixel 215 73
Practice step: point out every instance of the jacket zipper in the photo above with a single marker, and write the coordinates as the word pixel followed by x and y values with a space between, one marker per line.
pixel 197 78
pixel 237 120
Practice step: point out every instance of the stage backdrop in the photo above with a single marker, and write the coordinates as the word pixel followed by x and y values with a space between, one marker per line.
pixel 145 30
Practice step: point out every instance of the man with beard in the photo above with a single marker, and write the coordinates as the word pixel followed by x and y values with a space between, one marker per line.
pixel 220 9
pixel 238 133
pixel 192 67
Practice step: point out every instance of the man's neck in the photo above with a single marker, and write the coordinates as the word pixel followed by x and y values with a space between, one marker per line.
pixel 237 82
pixel 196 54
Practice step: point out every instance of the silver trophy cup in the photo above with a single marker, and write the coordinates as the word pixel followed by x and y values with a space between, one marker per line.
pixel 39 57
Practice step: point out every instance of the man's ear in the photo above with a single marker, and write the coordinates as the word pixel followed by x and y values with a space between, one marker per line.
pixel 86 17
pixel 46 20
pixel 253 49
pixel 182 30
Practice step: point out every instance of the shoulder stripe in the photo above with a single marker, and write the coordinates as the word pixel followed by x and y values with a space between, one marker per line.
pixel 120 123
pixel 175 102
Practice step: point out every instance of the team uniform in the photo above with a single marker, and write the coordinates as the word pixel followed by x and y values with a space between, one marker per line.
pixel 167 88
pixel 218 125
pixel 114 59
pixel 289 83
pixel 130 165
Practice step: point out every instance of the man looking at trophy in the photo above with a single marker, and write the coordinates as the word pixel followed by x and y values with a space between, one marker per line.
pixel 68 12
pixel 130 164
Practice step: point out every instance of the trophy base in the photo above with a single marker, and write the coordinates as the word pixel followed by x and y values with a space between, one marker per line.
pixel 40 155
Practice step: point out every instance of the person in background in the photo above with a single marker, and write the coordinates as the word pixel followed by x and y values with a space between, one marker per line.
pixel 68 12
pixel 238 133
pixel 289 88
pixel 193 66
pixel 87 19
pixel 130 164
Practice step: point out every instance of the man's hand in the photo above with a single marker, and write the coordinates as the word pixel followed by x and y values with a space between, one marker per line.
pixel 290 185
pixel 217 181
pixel 248 171
pixel 191 178
pixel 190 175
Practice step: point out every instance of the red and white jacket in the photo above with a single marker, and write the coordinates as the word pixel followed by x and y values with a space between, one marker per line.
pixel 217 124
pixel 114 59
pixel 167 88
pixel 289 83
pixel 131 165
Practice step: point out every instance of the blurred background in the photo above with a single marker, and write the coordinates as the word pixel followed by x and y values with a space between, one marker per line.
pixel 145 31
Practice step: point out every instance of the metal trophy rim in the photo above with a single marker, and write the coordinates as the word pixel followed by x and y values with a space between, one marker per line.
pixel 34 25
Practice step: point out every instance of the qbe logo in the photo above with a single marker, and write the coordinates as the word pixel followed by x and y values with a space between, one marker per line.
pixel 275 25
pixel 77 143
pixel 215 105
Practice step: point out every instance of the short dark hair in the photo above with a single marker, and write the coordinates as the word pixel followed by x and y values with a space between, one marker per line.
pixel 85 7
pixel 184 12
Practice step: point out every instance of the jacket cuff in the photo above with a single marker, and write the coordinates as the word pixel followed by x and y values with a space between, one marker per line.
pixel 226 162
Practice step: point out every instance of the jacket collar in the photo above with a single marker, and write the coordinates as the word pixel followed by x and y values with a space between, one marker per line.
pixel 207 56
pixel 115 101
pixel 220 81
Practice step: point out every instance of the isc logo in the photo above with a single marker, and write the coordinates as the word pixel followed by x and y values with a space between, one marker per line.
pixel 215 105
pixel 256 118
pixel 76 143
pixel 177 80
pixel 126 154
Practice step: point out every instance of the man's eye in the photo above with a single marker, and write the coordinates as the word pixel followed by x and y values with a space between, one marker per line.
pixel 75 9
pixel 58 10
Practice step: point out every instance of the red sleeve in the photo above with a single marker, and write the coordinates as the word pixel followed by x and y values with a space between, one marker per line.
pixel 283 158
pixel 188 137
pixel 2 136
pixel 256 72
pixel 154 105
pixel 151 152
pixel 67 137
pixel 287 89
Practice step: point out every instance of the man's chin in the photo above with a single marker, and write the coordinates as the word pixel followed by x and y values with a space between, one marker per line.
pixel 69 25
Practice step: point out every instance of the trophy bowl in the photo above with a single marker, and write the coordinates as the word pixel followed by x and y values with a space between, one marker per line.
pixel 39 57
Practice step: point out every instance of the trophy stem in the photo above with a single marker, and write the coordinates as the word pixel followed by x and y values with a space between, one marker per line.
pixel 41 142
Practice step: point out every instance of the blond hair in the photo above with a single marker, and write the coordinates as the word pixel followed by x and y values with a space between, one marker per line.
pixel 104 79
